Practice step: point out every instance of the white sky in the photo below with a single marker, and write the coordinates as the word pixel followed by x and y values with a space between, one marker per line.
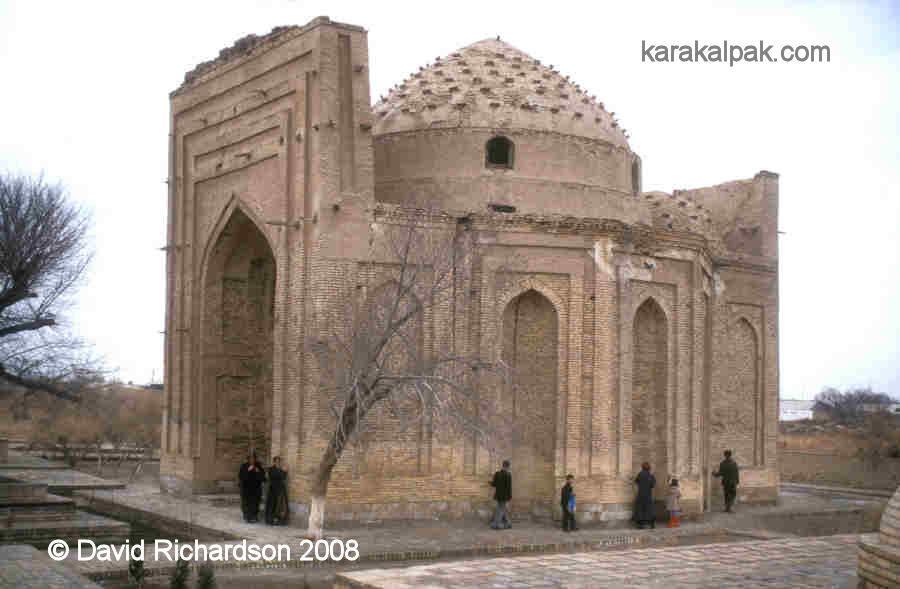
pixel 85 98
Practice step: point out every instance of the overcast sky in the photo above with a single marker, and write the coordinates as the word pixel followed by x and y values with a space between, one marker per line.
pixel 85 90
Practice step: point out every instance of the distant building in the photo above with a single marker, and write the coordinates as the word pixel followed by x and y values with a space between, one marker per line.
pixel 794 409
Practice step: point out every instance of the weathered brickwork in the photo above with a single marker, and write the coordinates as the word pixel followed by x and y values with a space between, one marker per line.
pixel 637 326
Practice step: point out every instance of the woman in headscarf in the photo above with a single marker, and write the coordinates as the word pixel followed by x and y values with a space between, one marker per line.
pixel 277 512
pixel 643 504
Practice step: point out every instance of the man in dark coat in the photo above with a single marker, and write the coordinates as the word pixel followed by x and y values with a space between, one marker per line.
pixel 643 504
pixel 277 511
pixel 502 484
pixel 567 502
pixel 251 476
pixel 728 470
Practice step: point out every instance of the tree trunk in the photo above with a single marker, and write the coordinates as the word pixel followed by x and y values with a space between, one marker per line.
pixel 316 517
pixel 320 489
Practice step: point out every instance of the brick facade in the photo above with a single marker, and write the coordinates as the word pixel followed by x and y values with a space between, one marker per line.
pixel 638 326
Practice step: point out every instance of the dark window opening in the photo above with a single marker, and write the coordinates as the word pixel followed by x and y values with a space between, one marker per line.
pixel 636 176
pixel 499 153
pixel 502 208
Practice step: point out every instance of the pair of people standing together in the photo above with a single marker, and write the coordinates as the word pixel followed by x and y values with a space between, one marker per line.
pixel 643 504
pixel 643 508
pixel 251 477
pixel 502 483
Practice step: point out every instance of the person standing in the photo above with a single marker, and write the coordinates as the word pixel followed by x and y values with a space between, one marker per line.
pixel 567 502
pixel 673 502
pixel 250 478
pixel 728 470
pixel 502 484
pixel 277 511
pixel 643 504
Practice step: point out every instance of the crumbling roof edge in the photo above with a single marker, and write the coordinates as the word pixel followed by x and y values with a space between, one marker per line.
pixel 251 46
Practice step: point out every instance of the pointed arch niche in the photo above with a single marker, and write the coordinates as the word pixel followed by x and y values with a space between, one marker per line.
pixel 737 412
pixel 530 347
pixel 238 344
pixel 649 389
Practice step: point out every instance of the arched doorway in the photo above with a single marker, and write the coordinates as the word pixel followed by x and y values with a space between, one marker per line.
pixel 238 329
pixel 530 349
pixel 649 400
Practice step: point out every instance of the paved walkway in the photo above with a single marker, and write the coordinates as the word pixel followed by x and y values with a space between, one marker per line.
pixel 25 567
pixel 432 540
pixel 790 562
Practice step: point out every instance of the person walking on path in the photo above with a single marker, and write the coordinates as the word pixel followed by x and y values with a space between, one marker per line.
pixel 251 476
pixel 567 502
pixel 277 511
pixel 502 484
pixel 643 504
pixel 673 502
pixel 728 470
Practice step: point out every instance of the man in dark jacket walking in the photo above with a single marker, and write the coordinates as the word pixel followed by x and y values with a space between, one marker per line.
pixel 502 484
pixel 728 470
pixel 567 502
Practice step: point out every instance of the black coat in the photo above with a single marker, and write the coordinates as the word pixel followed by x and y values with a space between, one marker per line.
pixel 565 495
pixel 251 480
pixel 277 509
pixel 643 504
pixel 728 470
pixel 502 484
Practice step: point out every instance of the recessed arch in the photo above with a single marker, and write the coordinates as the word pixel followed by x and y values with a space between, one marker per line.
pixel 530 348
pixel 649 389
pixel 224 217
pixel 237 346
pixel 744 391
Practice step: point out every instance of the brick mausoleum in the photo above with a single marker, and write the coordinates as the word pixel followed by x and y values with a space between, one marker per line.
pixel 646 322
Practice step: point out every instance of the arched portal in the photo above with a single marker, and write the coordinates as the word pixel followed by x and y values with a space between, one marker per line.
pixel 649 402
pixel 238 322
pixel 530 349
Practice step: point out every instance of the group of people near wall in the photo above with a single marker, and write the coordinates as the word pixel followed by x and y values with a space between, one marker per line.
pixel 643 514
pixel 251 478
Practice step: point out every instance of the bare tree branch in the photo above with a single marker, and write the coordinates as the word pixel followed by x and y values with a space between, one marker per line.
pixel 43 256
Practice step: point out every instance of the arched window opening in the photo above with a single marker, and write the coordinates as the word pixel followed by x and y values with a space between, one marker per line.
pixel 636 175
pixel 499 153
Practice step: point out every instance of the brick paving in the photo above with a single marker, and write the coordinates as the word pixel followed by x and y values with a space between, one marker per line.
pixel 25 567
pixel 788 562
pixel 432 540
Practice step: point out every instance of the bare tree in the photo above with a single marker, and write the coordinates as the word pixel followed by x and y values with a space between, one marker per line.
pixel 43 255
pixel 848 407
pixel 368 344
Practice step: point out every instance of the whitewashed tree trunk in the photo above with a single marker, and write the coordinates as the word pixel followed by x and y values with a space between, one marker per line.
pixel 316 516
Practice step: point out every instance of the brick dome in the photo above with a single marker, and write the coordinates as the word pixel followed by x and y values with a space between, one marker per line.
pixel 492 84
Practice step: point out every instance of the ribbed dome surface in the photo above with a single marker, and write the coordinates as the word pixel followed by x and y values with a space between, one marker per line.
pixel 492 84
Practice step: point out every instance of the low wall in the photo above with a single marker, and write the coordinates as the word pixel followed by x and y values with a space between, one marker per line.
pixel 844 471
